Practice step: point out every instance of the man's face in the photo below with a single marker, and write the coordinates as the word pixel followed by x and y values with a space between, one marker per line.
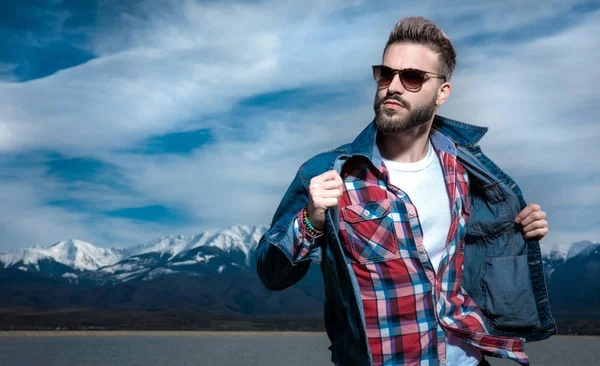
pixel 397 109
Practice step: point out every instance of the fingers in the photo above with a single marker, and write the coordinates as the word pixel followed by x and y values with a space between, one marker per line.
pixel 317 193
pixel 326 189
pixel 539 224
pixel 329 184
pixel 328 175
pixel 530 208
pixel 533 217
pixel 537 233
pixel 328 193
pixel 323 203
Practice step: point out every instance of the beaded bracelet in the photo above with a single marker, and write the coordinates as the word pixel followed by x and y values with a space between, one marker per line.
pixel 311 230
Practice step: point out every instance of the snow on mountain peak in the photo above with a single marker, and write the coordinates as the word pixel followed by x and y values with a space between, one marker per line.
pixel 74 253
pixel 81 255
pixel 567 251
pixel 581 248
pixel 171 244
pixel 242 237
pixel 558 254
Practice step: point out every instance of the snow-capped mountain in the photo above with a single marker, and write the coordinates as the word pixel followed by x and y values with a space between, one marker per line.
pixel 212 251
pixel 556 255
pixel 568 251
pixel 572 273
pixel 213 271
pixel 238 237
pixel 74 254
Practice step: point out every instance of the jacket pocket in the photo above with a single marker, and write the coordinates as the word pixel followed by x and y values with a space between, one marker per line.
pixel 370 229
pixel 489 209
pixel 508 293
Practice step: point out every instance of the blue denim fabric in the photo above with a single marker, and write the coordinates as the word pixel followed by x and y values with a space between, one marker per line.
pixel 499 264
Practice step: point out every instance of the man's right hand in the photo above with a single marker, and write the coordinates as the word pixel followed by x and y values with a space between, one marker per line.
pixel 325 191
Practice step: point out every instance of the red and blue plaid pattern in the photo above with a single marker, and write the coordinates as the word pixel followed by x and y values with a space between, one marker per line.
pixel 408 306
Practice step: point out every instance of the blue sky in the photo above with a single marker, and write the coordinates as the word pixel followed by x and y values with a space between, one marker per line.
pixel 124 121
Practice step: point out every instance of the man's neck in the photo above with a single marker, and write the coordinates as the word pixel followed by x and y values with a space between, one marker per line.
pixel 406 147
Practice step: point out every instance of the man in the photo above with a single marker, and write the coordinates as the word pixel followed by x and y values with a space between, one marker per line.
pixel 428 251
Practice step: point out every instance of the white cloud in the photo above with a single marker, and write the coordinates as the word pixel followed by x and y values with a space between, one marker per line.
pixel 182 67
pixel 538 101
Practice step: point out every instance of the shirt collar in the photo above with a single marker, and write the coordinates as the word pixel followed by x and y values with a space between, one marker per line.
pixel 445 135
pixel 438 141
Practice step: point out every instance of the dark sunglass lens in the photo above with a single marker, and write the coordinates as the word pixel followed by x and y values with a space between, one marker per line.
pixel 412 79
pixel 385 75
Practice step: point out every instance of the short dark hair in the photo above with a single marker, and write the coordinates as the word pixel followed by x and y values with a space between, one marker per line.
pixel 419 30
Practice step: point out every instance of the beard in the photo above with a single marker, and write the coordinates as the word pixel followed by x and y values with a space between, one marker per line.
pixel 390 122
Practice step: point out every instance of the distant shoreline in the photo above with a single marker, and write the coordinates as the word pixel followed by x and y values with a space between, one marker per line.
pixel 110 333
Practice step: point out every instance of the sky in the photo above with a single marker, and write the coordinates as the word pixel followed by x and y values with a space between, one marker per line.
pixel 125 121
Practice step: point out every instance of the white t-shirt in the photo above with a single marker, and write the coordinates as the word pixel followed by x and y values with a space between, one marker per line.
pixel 423 181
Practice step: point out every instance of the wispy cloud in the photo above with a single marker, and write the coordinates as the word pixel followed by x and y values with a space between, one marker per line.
pixel 201 113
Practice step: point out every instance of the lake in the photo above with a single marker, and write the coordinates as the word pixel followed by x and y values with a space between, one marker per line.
pixel 96 348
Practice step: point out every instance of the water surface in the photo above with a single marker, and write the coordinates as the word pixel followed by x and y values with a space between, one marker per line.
pixel 220 349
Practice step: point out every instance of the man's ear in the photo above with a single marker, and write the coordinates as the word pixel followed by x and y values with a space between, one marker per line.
pixel 443 93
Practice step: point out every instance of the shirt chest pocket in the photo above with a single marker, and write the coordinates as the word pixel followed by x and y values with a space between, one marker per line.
pixel 371 236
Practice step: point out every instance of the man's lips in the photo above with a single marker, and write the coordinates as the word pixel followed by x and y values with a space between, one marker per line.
pixel 392 104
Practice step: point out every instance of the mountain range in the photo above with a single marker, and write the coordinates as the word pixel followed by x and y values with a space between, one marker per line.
pixel 215 272
pixel 206 253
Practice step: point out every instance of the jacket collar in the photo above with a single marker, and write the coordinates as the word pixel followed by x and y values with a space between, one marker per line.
pixel 445 134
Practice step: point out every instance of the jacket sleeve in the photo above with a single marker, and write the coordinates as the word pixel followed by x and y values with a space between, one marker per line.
pixel 283 255
pixel 303 243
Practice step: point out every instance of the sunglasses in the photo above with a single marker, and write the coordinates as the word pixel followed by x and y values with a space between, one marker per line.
pixel 411 79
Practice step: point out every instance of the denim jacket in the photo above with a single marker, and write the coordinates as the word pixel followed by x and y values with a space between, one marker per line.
pixel 503 271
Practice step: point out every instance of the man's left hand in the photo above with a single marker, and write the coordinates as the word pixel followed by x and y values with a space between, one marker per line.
pixel 532 219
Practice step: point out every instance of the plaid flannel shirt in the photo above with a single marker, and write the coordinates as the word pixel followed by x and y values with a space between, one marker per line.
pixel 408 307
